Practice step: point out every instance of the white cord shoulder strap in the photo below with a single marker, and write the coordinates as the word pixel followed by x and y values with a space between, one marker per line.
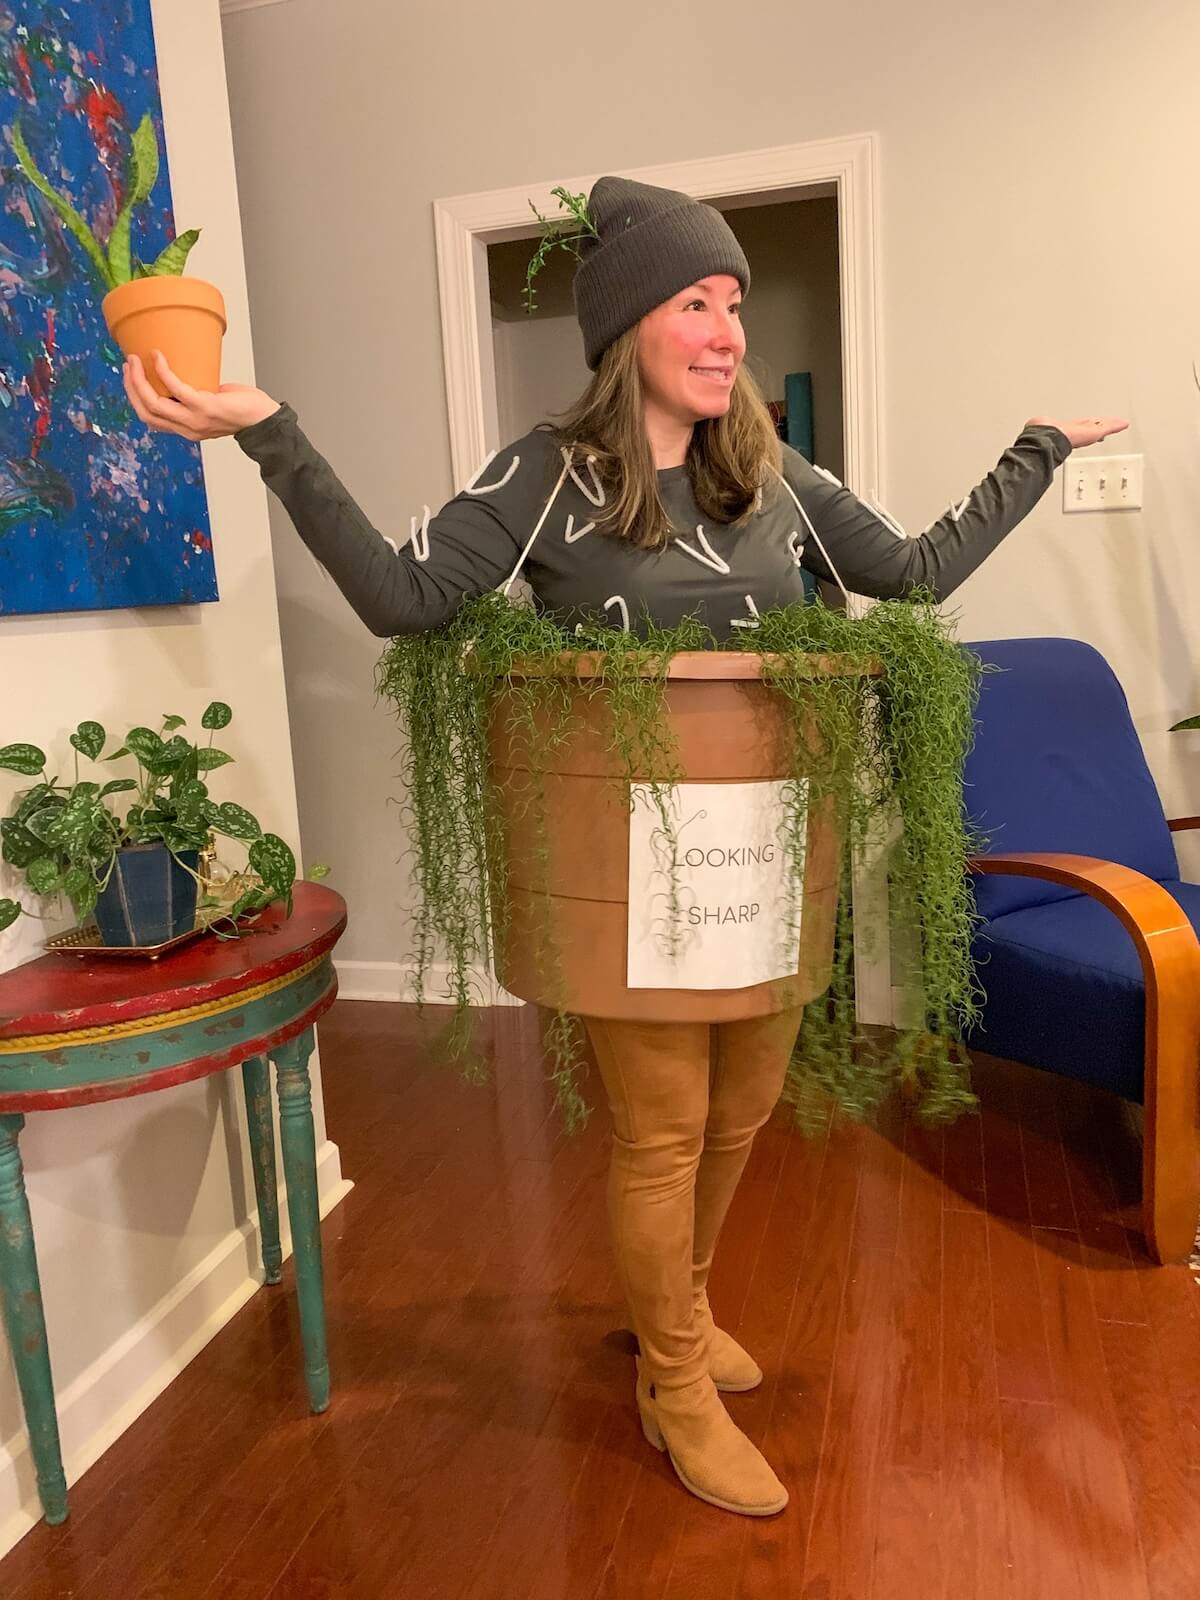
pixel 546 509
pixel 816 536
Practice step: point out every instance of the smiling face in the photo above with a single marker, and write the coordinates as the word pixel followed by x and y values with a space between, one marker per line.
pixel 689 351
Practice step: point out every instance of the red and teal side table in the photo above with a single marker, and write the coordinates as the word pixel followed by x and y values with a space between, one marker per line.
pixel 74 1031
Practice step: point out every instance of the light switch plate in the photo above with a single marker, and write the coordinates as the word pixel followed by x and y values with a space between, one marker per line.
pixel 1102 483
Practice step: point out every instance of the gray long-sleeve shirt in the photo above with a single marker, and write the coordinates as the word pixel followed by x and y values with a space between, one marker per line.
pixel 725 575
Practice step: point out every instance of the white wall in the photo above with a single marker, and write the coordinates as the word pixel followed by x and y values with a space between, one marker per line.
pixel 140 1207
pixel 1038 253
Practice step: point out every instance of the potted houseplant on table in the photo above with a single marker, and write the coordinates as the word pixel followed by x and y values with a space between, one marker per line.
pixel 140 875
pixel 147 305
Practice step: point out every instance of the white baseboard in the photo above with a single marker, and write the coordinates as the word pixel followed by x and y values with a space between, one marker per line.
pixel 117 1387
pixel 392 980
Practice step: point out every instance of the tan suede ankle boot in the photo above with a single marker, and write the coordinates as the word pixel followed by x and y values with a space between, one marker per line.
pixel 712 1457
pixel 731 1368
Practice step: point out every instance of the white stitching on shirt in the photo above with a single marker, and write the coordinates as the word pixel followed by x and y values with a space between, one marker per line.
pixel 827 475
pixel 747 622
pixel 816 536
pixel 571 533
pixel 420 541
pixel 490 488
pixel 597 498
pixel 619 600
pixel 887 520
pixel 795 547
pixel 709 558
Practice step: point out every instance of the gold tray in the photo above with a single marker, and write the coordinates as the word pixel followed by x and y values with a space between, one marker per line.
pixel 85 941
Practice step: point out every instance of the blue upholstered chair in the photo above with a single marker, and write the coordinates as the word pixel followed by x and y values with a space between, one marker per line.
pixel 1089 954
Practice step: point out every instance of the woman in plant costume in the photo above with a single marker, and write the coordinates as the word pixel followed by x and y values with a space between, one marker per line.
pixel 664 493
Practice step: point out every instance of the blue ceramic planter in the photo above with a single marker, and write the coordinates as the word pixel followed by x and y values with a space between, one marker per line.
pixel 149 898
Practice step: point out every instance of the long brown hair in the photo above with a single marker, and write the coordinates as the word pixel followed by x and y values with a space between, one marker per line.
pixel 730 458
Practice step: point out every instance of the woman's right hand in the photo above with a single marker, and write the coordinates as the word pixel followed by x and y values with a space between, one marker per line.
pixel 194 413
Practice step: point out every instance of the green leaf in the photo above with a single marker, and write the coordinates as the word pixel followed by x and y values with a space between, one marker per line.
pixel 75 881
pixel 171 262
pixel 9 912
pixel 118 786
pixel 250 900
pixel 207 760
pixel 273 860
pixel 49 824
pixel 74 223
pixel 315 874
pixel 1187 724
pixel 171 722
pixel 144 743
pixel 117 754
pixel 217 715
pixel 43 875
pixel 26 758
pixel 171 755
pixel 17 845
pixel 88 738
pixel 143 173
pixel 84 899
pixel 235 821
pixel 33 800
pixel 181 839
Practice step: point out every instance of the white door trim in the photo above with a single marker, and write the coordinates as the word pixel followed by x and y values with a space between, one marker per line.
pixel 466 224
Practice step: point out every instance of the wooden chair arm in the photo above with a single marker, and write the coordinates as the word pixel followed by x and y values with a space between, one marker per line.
pixel 1169 952
pixel 1178 824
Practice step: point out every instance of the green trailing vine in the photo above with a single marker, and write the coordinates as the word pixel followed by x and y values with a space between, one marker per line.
pixel 558 232
pixel 892 733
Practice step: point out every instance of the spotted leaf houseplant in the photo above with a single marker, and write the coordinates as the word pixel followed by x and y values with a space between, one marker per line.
pixel 146 305
pixel 141 875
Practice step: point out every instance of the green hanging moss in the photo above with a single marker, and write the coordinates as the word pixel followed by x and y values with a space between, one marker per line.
pixel 889 744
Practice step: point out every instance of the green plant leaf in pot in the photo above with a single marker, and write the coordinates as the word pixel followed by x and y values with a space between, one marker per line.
pixel 216 715
pixel 208 759
pixel 71 219
pixel 24 758
pixel 143 172
pixel 173 259
pixel 235 821
pixel 88 739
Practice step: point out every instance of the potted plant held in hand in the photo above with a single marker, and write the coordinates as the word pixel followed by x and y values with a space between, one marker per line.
pixel 147 305
pixel 140 876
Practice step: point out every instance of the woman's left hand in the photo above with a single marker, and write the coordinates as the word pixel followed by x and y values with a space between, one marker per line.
pixel 1084 430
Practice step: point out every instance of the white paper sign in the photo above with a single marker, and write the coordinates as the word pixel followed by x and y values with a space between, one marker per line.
pixel 735 893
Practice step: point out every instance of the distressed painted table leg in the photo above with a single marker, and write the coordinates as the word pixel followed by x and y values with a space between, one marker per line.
pixel 256 1080
pixel 300 1174
pixel 21 1293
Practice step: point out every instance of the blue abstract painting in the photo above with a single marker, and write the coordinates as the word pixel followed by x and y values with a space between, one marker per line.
pixel 96 511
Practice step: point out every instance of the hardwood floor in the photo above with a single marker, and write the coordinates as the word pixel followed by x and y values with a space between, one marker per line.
pixel 977 1385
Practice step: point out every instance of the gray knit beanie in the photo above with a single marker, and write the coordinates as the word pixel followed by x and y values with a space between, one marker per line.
pixel 653 242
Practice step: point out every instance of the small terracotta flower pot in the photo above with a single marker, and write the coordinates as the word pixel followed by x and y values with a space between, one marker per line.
pixel 183 317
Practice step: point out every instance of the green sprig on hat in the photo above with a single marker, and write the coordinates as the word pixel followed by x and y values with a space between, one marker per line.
pixel 557 231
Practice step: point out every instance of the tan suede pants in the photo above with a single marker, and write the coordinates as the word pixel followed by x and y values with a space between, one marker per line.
pixel 686 1101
